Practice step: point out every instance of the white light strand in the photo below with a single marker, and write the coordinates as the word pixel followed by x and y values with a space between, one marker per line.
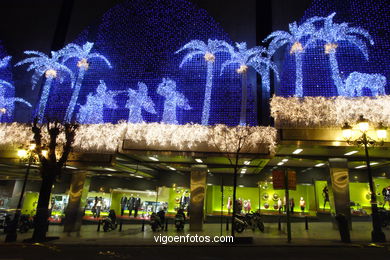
pixel 108 137
pixel 328 112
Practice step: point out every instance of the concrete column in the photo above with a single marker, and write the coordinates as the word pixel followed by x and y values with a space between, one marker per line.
pixel 78 192
pixel 17 190
pixel 198 190
pixel 339 177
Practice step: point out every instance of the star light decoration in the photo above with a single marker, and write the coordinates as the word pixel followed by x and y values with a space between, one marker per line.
pixel 209 50
pixel 259 58
pixel 51 68
pixel 109 137
pixel 173 99
pixel 83 55
pixel 92 111
pixel 328 112
pixel 138 100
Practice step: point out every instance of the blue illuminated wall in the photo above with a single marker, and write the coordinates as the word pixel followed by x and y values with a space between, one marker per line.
pixel 372 15
pixel 6 74
pixel 140 38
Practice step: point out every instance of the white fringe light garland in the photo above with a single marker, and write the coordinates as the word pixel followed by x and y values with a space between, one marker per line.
pixel 312 112
pixel 108 137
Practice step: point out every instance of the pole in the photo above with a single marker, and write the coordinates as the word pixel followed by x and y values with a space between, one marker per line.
pixel 156 199
pixel 287 205
pixel 221 203
pixel 259 197
pixel 12 234
pixel 377 234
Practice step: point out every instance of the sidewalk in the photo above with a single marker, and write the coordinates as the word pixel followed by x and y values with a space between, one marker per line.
pixel 319 234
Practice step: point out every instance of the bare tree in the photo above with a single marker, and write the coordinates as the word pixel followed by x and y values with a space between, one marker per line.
pixel 233 142
pixel 51 163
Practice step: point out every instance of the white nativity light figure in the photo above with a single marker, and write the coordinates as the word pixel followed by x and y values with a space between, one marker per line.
pixel 333 34
pixel 294 38
pixel 138 100
pixel 92 111
pixel 173 99
pixel 4 63
pixel 244 57
pixel 208 51
pixel 7 105
pixel 83 55
pixel 51 68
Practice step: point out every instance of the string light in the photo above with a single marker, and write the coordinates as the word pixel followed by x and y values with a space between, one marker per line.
pixel 83 55
pixel 108 137
pixel 173 99
pixel 7 103
pixel 209 50
pixel 137 100
pixel 48 66
pixel 328 112
pixel 356 82
pixel 259 58
pixel 92 111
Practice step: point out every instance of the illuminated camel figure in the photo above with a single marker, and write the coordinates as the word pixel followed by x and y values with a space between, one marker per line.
pixel 139 99
pixel 7 103
pixel 356 81
pixel 173 99
pixel 92 111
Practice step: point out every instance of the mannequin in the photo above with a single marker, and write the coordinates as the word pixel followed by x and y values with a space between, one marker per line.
pixel 386 196
pixel 292 205
pixel 284 204
pixel 280 205
pixel 245 206
pixel 130 204
pixel 137 205
pixel 184 200
pixel 302 204
pixel 325 193
pixel 123 204
pixel 248 206
pixel 229 204
pixel 99 206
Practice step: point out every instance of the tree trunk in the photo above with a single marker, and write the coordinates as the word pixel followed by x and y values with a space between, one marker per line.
pixel 207 95
pixel 42 215
pixel 298 75
pixel 75 95
pixel 244 98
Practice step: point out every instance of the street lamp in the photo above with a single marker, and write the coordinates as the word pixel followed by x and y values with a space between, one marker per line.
pixel 23 154
pixel 364 140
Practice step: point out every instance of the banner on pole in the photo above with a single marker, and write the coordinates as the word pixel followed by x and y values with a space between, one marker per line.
pixel 278 180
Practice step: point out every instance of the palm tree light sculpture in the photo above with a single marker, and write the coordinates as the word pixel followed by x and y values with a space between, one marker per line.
pixel 51 68
pixel 83 54
pixel 7 104
pixel 173 99
pixel 139 99
pixel 209 50
pixel 92 111
pixel 245 58
pixel 333 33
pixel 294 38
pixel 4 63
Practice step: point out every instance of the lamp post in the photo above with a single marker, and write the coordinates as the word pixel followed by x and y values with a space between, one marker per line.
pixel 364 140
pixel 22 154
